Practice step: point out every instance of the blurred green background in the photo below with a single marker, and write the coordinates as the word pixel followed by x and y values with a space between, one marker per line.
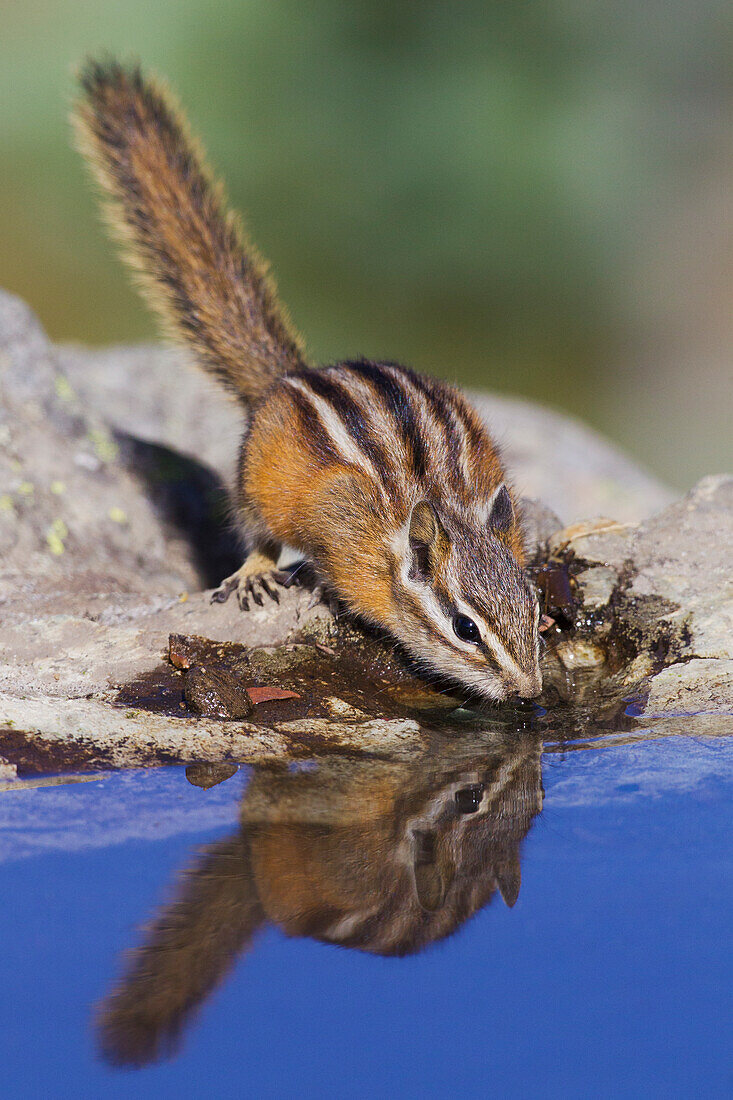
pixel 531 197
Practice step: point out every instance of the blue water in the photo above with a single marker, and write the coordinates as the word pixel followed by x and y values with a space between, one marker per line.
pixel 610 977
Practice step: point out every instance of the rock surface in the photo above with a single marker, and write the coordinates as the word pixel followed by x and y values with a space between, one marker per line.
pixel 66 493
pixel 113 520
pixel 656 598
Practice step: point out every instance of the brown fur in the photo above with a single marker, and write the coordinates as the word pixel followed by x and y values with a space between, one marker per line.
pixel 189 950
pixel 366 854
pixel 204 279
pixel 337 459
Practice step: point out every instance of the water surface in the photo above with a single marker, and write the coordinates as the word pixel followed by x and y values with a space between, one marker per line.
pixel 559 916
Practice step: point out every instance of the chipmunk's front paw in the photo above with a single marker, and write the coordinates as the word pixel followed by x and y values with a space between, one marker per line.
pixel 254 580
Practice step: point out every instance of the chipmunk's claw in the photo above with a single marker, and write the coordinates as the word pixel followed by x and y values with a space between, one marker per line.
pixel 254 580
pixel 316 596
pixel 225 589
pixel 321 594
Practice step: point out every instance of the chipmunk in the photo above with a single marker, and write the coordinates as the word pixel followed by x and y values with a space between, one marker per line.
pixel 385 480
pixel 381 856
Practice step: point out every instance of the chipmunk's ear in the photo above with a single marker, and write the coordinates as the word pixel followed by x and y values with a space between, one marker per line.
pixel 508 875
pixel 428 541
pixel 500 510
pixel 433 875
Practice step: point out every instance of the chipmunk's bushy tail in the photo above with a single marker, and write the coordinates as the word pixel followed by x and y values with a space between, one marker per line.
pixel 205 281
pixel 186 953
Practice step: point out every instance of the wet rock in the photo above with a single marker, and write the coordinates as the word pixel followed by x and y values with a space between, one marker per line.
pixel 699 685
pixel 339 708
pixel 578 654
pixel 213 695
pixel 421 697
pixel 181 650
pixel 596 586
pixel 658 597
pixel 207 776
pixel 388 735
pixel 553 584
pixel 8 771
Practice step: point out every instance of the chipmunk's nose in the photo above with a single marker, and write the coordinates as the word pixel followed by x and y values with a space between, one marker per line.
pixel 529 686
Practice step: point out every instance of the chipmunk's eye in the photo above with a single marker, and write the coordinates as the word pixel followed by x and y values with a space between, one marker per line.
pixel 466 629
pixel 468 799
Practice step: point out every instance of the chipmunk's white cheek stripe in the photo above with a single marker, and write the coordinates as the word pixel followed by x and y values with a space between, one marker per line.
pixel 432 608
pixel 451 660
pixel 335 428
pixel 423 592
pixel 492 641
pixel 501 656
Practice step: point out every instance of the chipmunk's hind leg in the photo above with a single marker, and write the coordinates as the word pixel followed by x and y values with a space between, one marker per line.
pixel 256 578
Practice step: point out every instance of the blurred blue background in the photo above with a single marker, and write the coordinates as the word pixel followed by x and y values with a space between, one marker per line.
pixel 535 198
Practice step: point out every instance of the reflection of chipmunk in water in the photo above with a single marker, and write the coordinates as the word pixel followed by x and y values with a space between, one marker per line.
pixel 383 857
pixel 386 481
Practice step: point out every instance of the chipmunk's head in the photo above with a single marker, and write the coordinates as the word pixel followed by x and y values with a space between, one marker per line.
pixel 465 606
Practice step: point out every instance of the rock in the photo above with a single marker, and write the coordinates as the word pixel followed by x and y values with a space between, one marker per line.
pixel 391 735
pixel 213 695
pixel 580 654
pixel 156 395
pixel 112 522
pixel 659 596
pixel 337 708
pixel 597 585
pixel 67 500
pixel 181 650
pixel 573 470
pixel 539 523
pixel 699 685
pixel 8 771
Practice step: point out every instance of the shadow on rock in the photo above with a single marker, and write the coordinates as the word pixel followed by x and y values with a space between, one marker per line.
pixel 192 502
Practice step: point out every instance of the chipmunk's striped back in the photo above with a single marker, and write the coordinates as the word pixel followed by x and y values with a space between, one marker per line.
pixel 410 435
pixel 390 484
pixel 387 481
